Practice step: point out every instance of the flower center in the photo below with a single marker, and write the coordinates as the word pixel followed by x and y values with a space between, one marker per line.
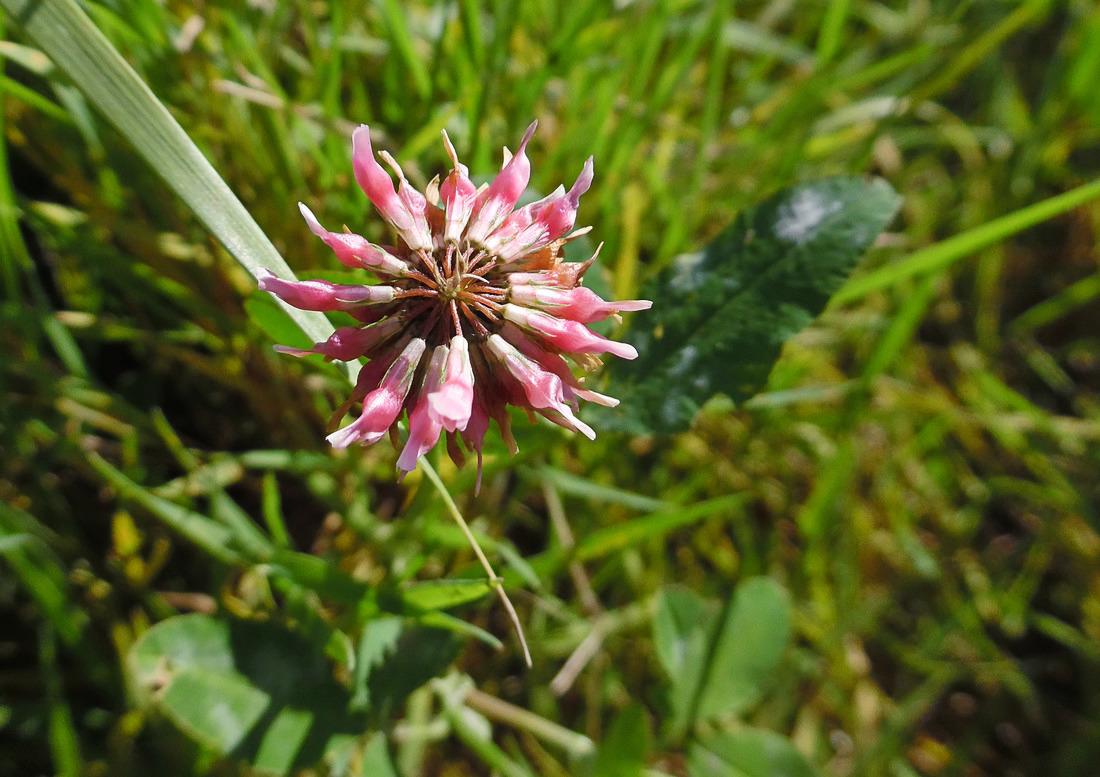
pixel 451 288
pixel 457 294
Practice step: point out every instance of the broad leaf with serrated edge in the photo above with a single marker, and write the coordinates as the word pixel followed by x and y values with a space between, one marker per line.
pixel 720 317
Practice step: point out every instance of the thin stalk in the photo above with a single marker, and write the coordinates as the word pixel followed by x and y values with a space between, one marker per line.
pixel 577 745
pixel 494 580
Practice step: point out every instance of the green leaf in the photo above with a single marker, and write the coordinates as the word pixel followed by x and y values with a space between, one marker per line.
pixel 253 691
pixel 575 485
pixel 377 641
pixel 721 317
pixel 320 575
pixel 748 649
pixel 747 752
pixel 443 594
pixel 719 659
pixel 401 665
pixel 443 620
pixel 610 539
pixel 274 321
pixel 682 631
pixel 624 747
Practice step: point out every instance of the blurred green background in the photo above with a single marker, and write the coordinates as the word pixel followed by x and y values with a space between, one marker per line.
pixel 920 475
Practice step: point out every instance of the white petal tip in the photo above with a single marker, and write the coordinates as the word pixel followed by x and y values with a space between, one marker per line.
pixel 449 146
pixel 360 141
pixel 299 352
pixel 596 398
pixel 341 439
pixel 311 220
pixel 624 351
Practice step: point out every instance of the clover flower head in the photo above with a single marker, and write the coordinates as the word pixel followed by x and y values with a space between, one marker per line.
pixel 475 309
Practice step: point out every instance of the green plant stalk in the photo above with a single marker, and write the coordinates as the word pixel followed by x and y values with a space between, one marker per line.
pixel 486 749
pixel 64 742
pixel 13 253
pixel 577 745
pixel 945 253
pixel 494 580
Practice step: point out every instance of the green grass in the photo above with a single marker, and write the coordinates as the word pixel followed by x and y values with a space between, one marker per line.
pixel 920 474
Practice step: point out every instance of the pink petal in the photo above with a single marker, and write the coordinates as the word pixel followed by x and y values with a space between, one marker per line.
pixel 596 398
pixel 577 304
pixel 496 202
pixel 351 342
pixel 353 250
pixel 544 390
pixel 560 215
pixel 453 401
pixel 322 295
pixel 382 406
pixel 417 206
pixel 424 426
pixel 377 185
pixel 522 229
pixel 569 336
pixel 458 195
pixel 474 435
pixel 551 362
pixel 380 409
pixel 564 275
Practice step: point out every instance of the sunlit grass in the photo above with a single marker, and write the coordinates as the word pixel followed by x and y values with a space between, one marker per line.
pixel 919 475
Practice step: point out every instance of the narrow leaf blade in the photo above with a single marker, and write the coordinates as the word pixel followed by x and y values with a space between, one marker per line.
pixel 747 752
pixel 443 594
pixel 66 34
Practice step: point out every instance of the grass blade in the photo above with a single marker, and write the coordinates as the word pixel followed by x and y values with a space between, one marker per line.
pixel 945 253
pixel 65 33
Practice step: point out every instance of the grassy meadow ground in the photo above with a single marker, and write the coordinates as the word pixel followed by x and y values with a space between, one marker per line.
pixel 921 474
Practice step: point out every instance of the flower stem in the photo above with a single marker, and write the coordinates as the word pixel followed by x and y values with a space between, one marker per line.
pixel 494 580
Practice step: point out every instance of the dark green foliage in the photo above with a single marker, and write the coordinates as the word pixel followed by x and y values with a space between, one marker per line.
pixel 250 690
pixel 721 316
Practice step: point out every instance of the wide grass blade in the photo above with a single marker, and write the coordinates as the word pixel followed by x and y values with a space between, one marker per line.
pixel 66 34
